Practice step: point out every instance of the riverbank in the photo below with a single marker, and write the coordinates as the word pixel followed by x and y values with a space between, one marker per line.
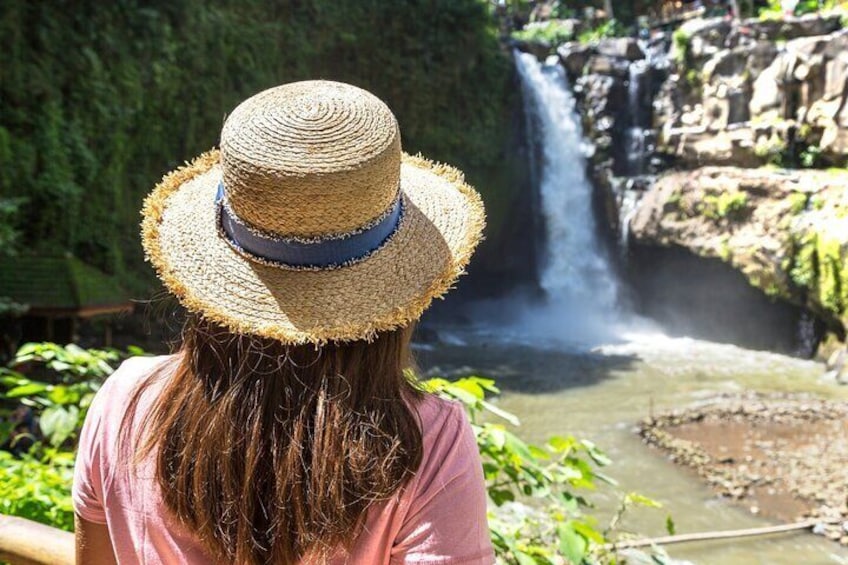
pixel 781 456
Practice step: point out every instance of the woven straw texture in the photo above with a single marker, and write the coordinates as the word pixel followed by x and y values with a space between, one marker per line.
pixel 308 160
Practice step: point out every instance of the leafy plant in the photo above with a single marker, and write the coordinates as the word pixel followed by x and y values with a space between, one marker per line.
pixel 553 32
pixel 610 28
pixel 38 487
pixel 555 527
pixel 62 404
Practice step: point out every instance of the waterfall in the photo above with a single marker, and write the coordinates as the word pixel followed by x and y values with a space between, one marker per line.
pixel 635 139
pixel 575 274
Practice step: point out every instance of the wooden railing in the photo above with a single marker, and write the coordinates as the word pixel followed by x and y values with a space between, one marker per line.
pixel 24 542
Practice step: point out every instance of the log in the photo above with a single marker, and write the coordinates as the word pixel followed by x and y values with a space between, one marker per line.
pixel 724 534
pixel 24 542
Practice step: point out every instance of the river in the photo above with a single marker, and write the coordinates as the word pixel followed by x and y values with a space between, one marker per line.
pixel 600 393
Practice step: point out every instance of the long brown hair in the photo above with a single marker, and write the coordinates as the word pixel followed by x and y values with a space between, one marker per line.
pixel 269 452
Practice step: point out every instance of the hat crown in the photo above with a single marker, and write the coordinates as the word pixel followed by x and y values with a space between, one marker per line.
pixel 310 159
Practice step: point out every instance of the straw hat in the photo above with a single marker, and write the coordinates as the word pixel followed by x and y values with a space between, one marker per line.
pixel 310 224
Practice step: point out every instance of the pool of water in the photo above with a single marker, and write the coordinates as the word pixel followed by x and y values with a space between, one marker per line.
pixel 600 392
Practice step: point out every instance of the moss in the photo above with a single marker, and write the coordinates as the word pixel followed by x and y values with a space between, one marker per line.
pixel 724 251
pixel 682 43
pixel 798 202
pixel 771 149
pixel 727 205
pixel 830 292
pixel 819 265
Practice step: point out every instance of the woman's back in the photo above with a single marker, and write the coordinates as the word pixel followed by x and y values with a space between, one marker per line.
pixel 286 429
pixel 437 517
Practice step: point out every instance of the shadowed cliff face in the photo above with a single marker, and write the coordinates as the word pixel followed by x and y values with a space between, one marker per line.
pixel 707 299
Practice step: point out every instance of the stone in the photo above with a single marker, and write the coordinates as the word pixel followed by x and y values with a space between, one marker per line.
pixel 766 90
pixel 541 49
pixel 606 65
pixel 621 48
pixel 706 36
pixel 574 56
pixel 792 28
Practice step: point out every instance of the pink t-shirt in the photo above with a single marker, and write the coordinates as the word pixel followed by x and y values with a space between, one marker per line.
pixel 438 517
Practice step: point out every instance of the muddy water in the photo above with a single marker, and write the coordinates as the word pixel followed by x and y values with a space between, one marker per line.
pixel 599 393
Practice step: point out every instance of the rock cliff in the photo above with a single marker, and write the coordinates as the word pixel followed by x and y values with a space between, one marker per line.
pixel 728 139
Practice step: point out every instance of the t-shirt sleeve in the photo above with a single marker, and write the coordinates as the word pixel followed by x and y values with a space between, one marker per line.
pixel 446 519
pixel 87 490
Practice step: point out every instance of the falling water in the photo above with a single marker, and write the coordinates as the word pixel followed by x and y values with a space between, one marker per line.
pixel 575 273
pixel 635 138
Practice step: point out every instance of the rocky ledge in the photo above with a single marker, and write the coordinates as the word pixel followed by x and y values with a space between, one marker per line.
pixel 782 457
pixel 785 230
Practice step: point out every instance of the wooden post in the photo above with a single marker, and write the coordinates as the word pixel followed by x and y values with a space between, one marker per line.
pixel 24 542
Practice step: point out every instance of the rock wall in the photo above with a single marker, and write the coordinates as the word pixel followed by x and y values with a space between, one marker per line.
pixel 729 140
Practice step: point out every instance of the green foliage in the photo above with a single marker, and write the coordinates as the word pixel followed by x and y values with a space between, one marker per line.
pixel 774 10
pixel 798 202
pixel 61 405
pixel 727 205
pixel 100 100
pixel 819 265
pixel 681 44
pixel 811 157
pixel 9 229
pixel 610 28
pixel 38 487
pixel 771 149
pixel 553 32
pixel 556 527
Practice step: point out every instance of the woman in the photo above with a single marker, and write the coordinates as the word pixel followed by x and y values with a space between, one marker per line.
pixel 285 430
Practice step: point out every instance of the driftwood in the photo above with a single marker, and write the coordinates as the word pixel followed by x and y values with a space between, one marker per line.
pixel 24 542
pixel 726 534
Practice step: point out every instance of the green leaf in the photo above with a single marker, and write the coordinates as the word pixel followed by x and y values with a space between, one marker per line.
pixel 27 390
pixel 571 543
pixel 58 423
pixel 63 394
pixel 669 525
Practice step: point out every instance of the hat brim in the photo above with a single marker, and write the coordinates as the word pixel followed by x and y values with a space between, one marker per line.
pixel 442 224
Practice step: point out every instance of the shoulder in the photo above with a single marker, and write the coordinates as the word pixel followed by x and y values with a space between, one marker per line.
pixel 131 373
pixel 439 417
pixel 449 445
pixel 111 401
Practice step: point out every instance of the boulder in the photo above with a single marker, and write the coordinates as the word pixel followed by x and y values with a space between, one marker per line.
pixel 705 37
pixel 792 28
pixel 541 49
pixel 574 56
pixel 695 146
pixel 621 48
pixel 606 65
